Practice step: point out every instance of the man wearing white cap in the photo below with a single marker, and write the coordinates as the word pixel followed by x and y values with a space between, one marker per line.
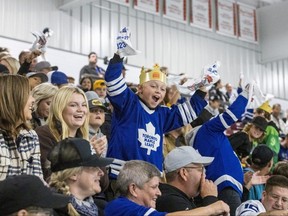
pixel 185 175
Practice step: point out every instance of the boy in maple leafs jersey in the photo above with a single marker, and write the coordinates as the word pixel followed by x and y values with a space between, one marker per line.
pixel 139 121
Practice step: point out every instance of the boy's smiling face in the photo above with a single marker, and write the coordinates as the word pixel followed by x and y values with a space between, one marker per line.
pixel 152 93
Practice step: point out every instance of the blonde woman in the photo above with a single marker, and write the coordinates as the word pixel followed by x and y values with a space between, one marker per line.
pixel 43 95
pixel 11 63
pixel 19 144
pixel 68 117
pixel 76 172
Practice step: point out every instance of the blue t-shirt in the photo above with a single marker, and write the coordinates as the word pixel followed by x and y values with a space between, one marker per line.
pixel 283 154
pixel 125 207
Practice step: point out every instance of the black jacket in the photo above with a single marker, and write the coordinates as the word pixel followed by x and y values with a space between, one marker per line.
pixel 173 199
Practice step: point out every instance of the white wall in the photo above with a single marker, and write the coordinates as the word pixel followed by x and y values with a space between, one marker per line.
pixel 182 48
pixel 94 27
pixel 68 62
pixel 273 28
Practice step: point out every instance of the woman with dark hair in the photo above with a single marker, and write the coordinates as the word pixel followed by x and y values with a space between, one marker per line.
pixel 86 84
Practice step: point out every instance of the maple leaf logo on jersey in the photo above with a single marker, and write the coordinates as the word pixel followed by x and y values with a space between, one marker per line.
pixel 148 138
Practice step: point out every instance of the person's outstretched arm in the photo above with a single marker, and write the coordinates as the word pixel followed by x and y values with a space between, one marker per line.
pixel 217 208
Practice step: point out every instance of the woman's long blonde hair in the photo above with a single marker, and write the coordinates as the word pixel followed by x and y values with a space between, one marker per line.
pixel 42 92
pixel 12 62
pixel 55 119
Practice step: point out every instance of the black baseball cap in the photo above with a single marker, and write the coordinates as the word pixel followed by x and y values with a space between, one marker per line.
pixel 262 155
pixel 22 191
pixel 260 122
pixel 75 152
pixel 41 75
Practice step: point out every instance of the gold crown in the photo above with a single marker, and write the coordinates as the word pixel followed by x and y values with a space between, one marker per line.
pixel 266 107
pixel 155 74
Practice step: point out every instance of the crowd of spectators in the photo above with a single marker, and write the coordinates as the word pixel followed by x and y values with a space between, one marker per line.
pixel 102 147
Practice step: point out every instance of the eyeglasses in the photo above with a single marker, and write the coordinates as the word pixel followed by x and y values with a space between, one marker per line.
pixel 201 168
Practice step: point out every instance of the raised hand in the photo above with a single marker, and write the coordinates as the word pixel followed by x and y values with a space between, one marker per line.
pixel 116 166
pixel 41 39
pixel 210 76
pixel 99 144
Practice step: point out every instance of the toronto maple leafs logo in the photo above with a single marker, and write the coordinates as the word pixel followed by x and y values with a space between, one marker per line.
pixel 148 138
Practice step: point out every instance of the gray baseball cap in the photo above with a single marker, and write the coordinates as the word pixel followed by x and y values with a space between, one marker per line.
pixel 182 156
pixel 44 64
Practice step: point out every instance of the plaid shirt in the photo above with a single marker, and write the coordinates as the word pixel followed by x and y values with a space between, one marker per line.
pixel 21 156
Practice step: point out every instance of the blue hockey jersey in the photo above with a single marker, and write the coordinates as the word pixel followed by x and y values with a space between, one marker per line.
pixel 210 140
pixel 137 131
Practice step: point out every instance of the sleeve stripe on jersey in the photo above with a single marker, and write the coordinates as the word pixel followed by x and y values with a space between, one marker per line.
pixel 116 86
pixel 228 178
pixel 223 121
pixel 191 111
pixel 231 115
pixel 187 112
pixel 113 82
pixel 188 115
pixel 119 91
pixel 149 212
pixel 182 114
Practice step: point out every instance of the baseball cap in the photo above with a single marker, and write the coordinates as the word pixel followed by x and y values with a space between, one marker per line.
pixel 182 156
pixel 94 100
pixel 57 77
pixel 260 122
pixel 266 107
pixel 99 84
pixel 22 191
pixel 261 155
pixel 43 65
pixel 42 76
pixel 75 152
pixel 91 95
